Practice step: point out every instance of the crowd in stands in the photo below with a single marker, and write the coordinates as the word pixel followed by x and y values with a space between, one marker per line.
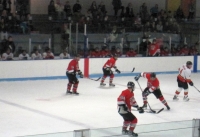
pixel 16 22
pixel 153 20
pixel 97 19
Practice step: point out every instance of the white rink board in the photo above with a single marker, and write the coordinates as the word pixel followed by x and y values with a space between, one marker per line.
pixel 49 68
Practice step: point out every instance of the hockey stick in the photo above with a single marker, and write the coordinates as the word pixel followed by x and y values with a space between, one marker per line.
pixel 93 79
pixel 129 71
pixel 153 111
pixel 196 88
pixel 150 111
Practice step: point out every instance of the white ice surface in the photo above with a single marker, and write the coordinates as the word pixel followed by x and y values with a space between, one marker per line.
pixel 39 107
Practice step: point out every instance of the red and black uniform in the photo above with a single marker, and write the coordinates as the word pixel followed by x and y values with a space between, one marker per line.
pixel 154 50
pixel 127 100
pixel 71 71
pixel 107 69
pixel 95 54
pixel 152 87
pixel 131 53
pixel 105 53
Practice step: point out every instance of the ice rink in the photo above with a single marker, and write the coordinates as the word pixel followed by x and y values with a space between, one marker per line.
pixel 41 106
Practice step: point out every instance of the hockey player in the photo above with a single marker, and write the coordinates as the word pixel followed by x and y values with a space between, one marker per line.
pixel 125 101
pixel 72 70
pixel 183 79
pixel 152 87
pixel 108 72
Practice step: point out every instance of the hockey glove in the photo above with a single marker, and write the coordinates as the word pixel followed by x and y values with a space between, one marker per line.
pixel 140 110
pixel 146 93
pixel 191 83
pixel 137 77
pixel 80 74
pixel 118 71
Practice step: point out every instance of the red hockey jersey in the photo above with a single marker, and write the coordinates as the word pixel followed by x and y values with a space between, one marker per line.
pixel 110 63
pixel 151 84
pixel 127 98
pixel 73 66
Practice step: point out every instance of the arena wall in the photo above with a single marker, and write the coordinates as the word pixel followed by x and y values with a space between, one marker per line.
pixel 52 69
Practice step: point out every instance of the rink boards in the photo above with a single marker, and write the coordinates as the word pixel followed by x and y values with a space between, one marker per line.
pixel 55 69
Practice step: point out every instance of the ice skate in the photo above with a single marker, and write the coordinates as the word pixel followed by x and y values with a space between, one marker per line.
pixel 168 108
pixel 75 93
pixel 186 98
pixel 112 85
pixel 144 106
pixel 175 98
pixel 68 92
pixel 132 134
pixel 102 84
pixel 125 132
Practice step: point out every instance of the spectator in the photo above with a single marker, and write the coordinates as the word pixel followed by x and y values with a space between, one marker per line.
pixel 105 24
pixel 1 7
pixel 178 51
pixel 60 10
pixel 3 46
pixel 102 9
pixel 4 15
pixel 51 9
pixel 191 10
pixel 166 27
pixel 10 44
pixel 8 55
pixel 118 52
pixel 7 5
pixel 153 27
pixel 105 52
pixel 3 29
pixel 147 27
pixel 64 55
pixel 143 11
pixel 48 54
pixel 36 55
pixel 65 36
pixel 24 26
pixel 68 10
pixel 21 7
pixel 29 22
pixel 159 27
pixel 131 53
pixel 117 5
pixel 154 11
pixel 24 55
pixel 77 8
pixel 179 13
pixel 129 11
pixel 80 52
pixel 193 51
pixel 175 28
pixel 154 49
pixel 96 53
pixel 185 51
pixel 137 23
pixel 113 35
pixel 94 9
pixel 143 45
pixel 165 52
